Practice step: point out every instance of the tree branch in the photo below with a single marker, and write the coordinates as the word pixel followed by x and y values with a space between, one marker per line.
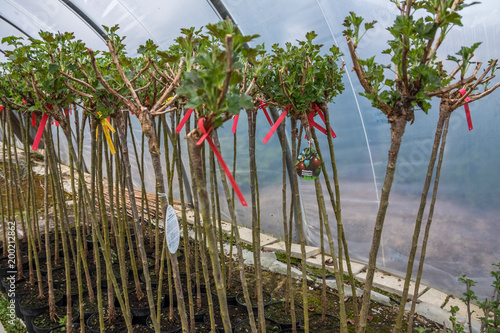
pixel 106 85
pixel 114 56
pixel 167 91
pixel 229 70
pixel 456 85
pixel 83 83
pixel 362 76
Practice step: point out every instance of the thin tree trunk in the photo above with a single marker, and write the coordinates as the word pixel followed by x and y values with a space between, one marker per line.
pixel 397 130
pixel 443 115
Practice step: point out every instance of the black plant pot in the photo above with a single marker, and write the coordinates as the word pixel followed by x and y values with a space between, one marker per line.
pixel 29 311
pixel 240 300
pixel 271 326
pixel 283 323
pixel 114 330
pixel 75 314
pixel 231 299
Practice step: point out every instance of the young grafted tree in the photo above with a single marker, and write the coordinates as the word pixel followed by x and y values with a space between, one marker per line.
pixel 418 32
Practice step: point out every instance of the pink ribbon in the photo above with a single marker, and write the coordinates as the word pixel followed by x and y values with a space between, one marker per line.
pixel 219 158
pixel 467 110
pixel 183 120
pixel 40 131
pixel 276 124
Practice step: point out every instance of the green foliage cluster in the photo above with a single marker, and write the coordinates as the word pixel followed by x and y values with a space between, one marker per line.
pixel 300 75
pixel 416 34
pixel 214 86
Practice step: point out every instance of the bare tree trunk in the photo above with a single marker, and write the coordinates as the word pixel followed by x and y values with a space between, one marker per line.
pixel 398 124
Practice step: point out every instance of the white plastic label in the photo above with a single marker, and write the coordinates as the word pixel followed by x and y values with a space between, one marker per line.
pixel 172 230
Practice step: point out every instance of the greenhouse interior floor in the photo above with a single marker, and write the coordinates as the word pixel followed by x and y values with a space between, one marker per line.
pixel 432 304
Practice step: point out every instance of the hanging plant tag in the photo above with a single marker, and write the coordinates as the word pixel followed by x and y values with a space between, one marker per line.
pixel 308 164
pixel 172 230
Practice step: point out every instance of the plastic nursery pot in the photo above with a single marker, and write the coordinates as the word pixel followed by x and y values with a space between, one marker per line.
pixel 236 315
pixel 244 326
pixel 201 312
pixel 167 324
pixel 316 325
pixel 113 327
pixel 30 306
pixel 62 329
pixel 276 311
pixel 90 308
pixel 230 294
pixel 140 309
pixel 42 323
pixel 267 299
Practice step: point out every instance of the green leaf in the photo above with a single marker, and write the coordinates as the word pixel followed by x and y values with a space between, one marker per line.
pixel 53 68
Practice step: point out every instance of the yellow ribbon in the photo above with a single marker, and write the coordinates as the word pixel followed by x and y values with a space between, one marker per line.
pixel 106 126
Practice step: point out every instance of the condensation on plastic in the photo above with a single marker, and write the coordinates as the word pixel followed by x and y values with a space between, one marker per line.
pixel 464 236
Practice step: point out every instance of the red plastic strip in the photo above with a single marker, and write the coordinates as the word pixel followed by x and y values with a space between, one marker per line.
pixel 1 108
pixel 183 120
pixel 57 123
pixel 235 123
pixel 66 111
pixel 39 133
pixel 33 119
pixel 205 132
pixel 221 160
pixel 263 107
pixel 467 110
pixel 276 124
pixel 322 116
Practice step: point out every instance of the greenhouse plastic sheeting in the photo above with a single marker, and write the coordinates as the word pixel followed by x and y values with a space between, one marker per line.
pixel 465 233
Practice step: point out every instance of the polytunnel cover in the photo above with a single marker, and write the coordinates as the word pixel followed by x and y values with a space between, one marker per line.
pixel 465 232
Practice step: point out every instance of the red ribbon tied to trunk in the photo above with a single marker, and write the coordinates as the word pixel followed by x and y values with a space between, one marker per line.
pixel 39 133
pixel 183 120
pixel 206 136
pixel 235 123
pixel 315 124
pixel 467 110
pixel 277 123
pixel 263 107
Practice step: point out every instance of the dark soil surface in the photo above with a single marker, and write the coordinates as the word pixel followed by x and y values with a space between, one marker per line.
pixel 236 314
pixel 32 301
pixel 253 298
pixel 167 324
pixel 118 323
pixel 138 329
pixel 244 326
pixel 317 325
pixel 276 311
pixel 43 320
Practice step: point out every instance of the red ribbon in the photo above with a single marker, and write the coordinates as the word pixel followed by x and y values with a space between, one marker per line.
pixel 219 158
pixel 33 119
pixel 57 123
pixel 467 110
pixel 1 108
pixel 66 111
pixel 263 107
pixel 183 120
pixel 24 101
pixel 316 125
pixel 235 123
pixel 276 124
pixel 40 131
